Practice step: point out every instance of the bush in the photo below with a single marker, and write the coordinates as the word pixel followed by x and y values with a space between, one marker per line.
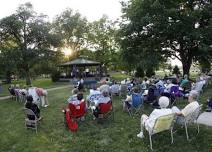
pixel 55 76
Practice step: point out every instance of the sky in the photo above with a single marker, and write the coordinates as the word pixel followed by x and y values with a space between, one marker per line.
pixel 92 9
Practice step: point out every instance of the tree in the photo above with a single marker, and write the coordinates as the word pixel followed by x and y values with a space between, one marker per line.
pixel 30 36
pixel 171 28
pixel 73 28
pixel 102 41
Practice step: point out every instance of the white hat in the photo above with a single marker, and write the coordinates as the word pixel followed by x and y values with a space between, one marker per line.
pixel 163 102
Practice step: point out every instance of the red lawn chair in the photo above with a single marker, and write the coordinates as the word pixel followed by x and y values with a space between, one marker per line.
pixel 106 109
pixel 77 111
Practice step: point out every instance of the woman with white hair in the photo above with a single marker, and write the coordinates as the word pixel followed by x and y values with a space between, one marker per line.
pixel 148 122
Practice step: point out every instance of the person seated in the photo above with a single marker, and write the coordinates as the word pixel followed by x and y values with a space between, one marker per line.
pixel 209 102
pixel 94 95
pixel 30 105
pixel 198 86
pixel 114 89
pixel 170 84
pixel 128 100
pixel 103 99
pixel 80 85
pixel 191 107
pixel 151 94
pixel 73 97
pixel 12 90
pixel 149 121
pixel 185 84
pixel 104 87
pixel 36 99
pixel 78 100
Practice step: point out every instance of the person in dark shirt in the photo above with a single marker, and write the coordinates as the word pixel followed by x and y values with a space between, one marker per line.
pixel 30 105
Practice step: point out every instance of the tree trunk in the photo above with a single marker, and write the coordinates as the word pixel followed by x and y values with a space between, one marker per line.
pixel 186 62
pixel 8 77
pixel 28 78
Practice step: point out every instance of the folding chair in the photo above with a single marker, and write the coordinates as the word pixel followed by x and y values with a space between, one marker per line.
pixel 175 93
pixel 123 90
pixel 32 124
pixel 12 93
pixel 162 123
pixel 106 110
pixel 192 119
pixel 77 111
pixel 135 107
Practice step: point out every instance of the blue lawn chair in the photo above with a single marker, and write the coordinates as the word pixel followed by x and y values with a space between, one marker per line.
pixel 137 102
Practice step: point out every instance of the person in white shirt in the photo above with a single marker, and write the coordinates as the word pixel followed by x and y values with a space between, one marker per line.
pixel 198 86
pixel 74 96
pixel 171 84
pixel 104 87
pixel 148 122
pixel 94 95
pixel 114 89
pixel 191 107
pixel 103 99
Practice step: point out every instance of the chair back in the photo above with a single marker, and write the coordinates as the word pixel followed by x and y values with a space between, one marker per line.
pixel 114 89
pixel 105 107
pixel 12 91
pixel 77 111
pixel 163 123
pixel 175 91
pixel 94 97
pixel 29 113
pixel 192 117
pixel 136 100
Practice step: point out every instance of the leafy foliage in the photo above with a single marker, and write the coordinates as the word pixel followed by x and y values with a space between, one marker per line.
pixel 26 38
pixel 166 29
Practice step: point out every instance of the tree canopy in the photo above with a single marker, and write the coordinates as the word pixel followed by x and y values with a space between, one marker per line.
pixel 26 38
pixel 153 30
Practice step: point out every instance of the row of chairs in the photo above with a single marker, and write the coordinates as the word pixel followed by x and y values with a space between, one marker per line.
pixel 76 112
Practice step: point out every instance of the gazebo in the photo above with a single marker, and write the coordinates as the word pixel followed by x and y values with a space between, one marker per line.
pixel 81 68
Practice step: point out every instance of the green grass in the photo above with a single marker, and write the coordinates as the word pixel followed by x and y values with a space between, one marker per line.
pixel 43 83
pixel 117 136
pixel 118 76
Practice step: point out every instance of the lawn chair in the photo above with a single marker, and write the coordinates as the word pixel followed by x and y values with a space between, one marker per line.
pixel 12 93
pixel 123 90
pixel 175 93
pixel 106 110
pixel 32 124
pixel 135 107
pixel 192 119
pixel 114 90
pixel 77 111
pixel 162 123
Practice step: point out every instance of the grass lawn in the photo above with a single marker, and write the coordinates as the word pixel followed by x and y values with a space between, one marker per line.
pixel 118 76
pixel 43 83
pixel 117 136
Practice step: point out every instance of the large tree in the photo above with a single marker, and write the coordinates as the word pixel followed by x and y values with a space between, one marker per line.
pixel 167 28
pixel 101 40
pixel 30 36
pixel 73 28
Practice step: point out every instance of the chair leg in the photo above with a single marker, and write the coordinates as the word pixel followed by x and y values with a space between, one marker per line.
pixel 172 136
pixel 186 131
pixel 150 141
pixel 197 128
